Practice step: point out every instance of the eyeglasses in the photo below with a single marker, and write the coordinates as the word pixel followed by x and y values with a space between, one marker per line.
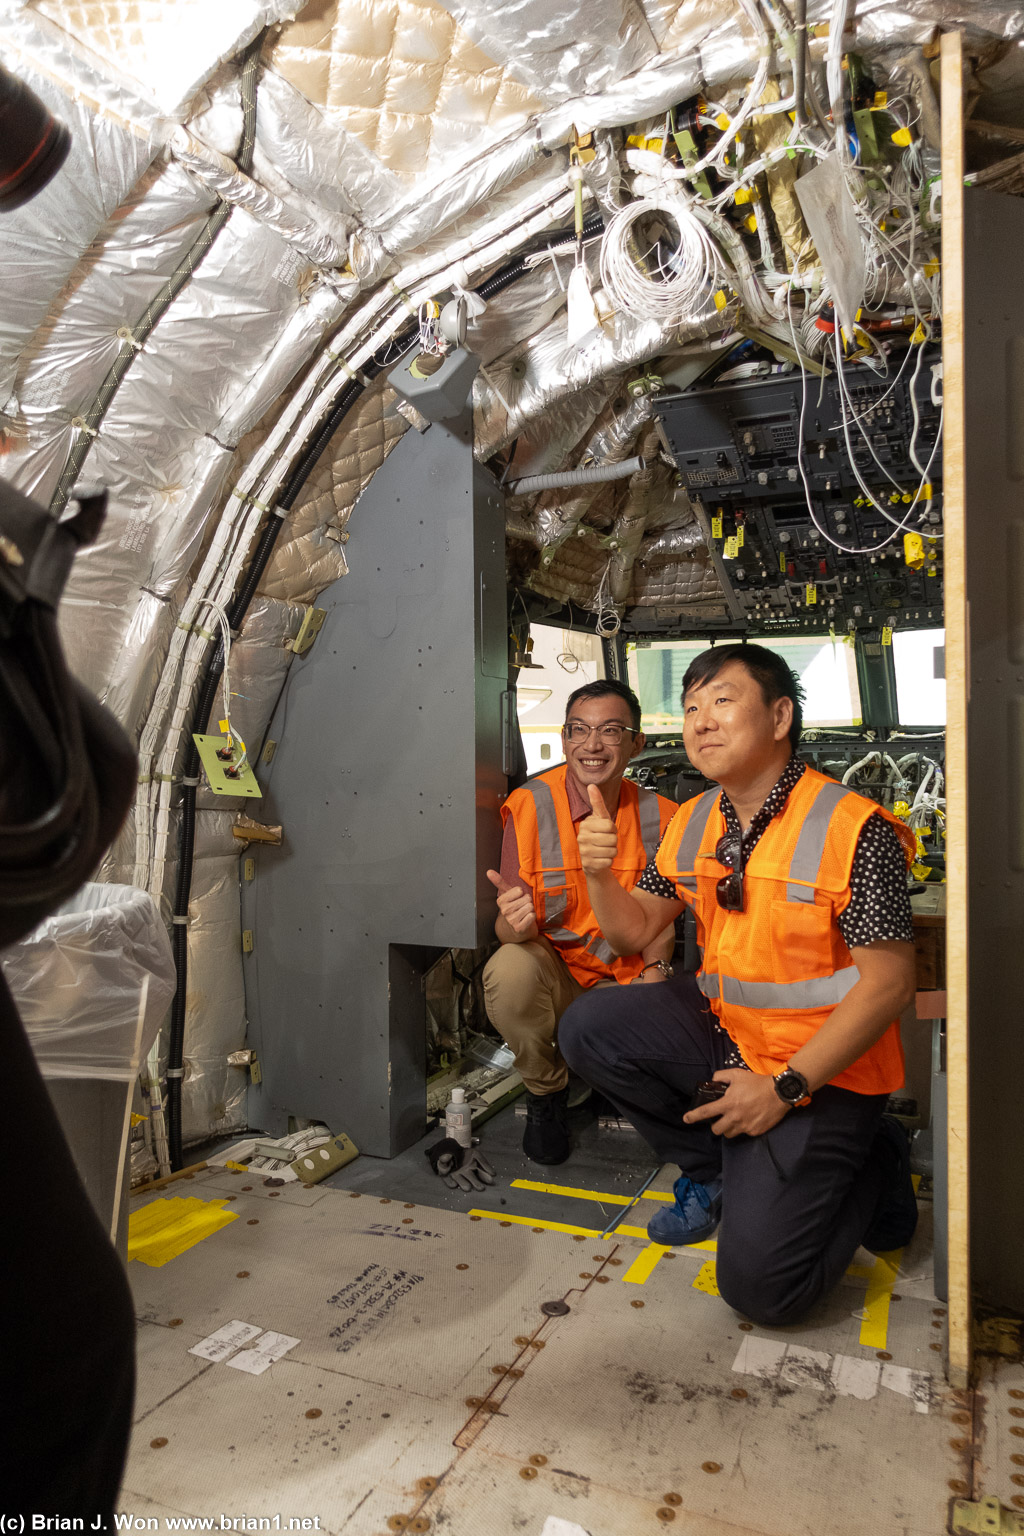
pixel 611 731
pixel 729 890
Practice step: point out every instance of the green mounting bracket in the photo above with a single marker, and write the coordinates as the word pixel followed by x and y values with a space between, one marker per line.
pixel 214 768
pixel 312 623
pixel 313 1166
pixel 986 1516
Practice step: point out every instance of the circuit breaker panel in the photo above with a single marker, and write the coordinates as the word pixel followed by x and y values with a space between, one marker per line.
pixel 821 498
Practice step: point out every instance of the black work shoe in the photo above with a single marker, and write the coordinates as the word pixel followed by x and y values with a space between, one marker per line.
pixel 546 1138
pixel 895 1218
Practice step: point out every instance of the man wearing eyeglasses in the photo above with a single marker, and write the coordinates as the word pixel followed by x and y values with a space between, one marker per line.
pixel 552 949
pixel 799 889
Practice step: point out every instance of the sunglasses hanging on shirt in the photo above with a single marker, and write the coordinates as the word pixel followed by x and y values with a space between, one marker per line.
pixel 729 890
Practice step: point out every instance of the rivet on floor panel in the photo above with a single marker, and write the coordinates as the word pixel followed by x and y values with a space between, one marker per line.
pixel 637 1303
pixel 882 1354
pixel 427 1484
pixel 746 1327
pixel 538 1461
pixel 522 1340
pixel 1016 1392
pixel 1017 1479
pixel 243 1274
pixel 476 1218
pixel 555 1308
pixel 499 1370
pixel 273 1194
pixel 236 1173
pixel 410 1205
pixel 385 1200
pixel 421 1523
pixel 175 1322
pixel 1017 1459
pixel 527 1472
pixel 1015 1429
pixel 504 1223
pixel 398 1522
pixel 246 1188
pixel 672 1498
pixel 516 1375
pixel 1018 1500
pixel 603 1279
pixel 895 1296
pixel 957 1485
pixel 313 1413
pixel 1018 1413
pixel 936 1347
pixel 407 1221
pixel 539 1230
pixel 619 1261
pixel 586 1274
pixel 938 1311
pixel 666 1515
pixel 354 1195
pixel 161 1440
pixel 578 1237
pixel 473 1402
pixel 960 1418
pixel 253 1221
pixel 936 1324
pixel 739 1393
pixel 959 1445
pixel 462 1266
pixel 537 1343
pixel 711 1466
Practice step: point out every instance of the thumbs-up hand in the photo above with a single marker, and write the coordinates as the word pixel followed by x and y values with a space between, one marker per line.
pixel 514 904
pixel 598 836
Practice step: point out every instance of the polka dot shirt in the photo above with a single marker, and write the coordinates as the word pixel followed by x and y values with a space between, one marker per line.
pixel 879 905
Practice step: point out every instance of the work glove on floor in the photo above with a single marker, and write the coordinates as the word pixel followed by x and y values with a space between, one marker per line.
pixel 474 1174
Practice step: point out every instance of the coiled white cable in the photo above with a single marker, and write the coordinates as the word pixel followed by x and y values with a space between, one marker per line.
pixel 644 281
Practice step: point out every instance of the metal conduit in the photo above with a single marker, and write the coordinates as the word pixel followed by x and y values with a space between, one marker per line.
pixel 597 475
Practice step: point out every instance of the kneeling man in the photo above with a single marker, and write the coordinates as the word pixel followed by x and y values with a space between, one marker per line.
pixel 799 888
pixel 552 949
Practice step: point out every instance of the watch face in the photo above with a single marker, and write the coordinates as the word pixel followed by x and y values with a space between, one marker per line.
pixel 790 1086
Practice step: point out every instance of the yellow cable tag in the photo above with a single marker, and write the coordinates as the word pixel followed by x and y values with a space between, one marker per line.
pixel 782 561
pixel 720 299
pixel 913 550
pixel 751 222
pixel 810 594
pixel 740 536
pixel 887 634
pixel 722 121
pixel 716 526
pixel 731 548
pixel 902 137
pixel 931 269
pixel 742 195
pixel 917 336
pixel 225 727
pixel 881 100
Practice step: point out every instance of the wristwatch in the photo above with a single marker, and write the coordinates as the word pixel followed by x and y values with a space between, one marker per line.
pixel 792 1088
pixel 660 965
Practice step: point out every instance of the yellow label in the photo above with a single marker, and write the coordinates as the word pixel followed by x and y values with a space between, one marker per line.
pixel 902 137
pixel 731 548
pixel 810 594
pixel 751 222
pixel 720 299
pixel 931 269
pixel 722 121
pixel 881 100
pixel 741 537
pixel 887 634
pixel 742 195
pixel 913 550
pixel 917 336
pixel 782 560
pixel 225 727
pixel 901 809
pixel 716 526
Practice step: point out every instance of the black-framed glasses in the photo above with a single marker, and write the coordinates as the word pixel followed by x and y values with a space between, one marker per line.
pixel 611 731
pixel 729 890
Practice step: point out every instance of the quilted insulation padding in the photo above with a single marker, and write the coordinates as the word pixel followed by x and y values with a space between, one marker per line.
pixel 169 47
pixel 574 574
pixel 309 556
pixel 675 583
pixel 401 76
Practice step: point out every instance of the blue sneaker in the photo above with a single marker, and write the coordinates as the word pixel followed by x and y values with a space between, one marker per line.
pixel 695 1215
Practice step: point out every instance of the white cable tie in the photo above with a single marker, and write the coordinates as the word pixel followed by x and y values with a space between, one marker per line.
pixel 192 781
pixel 346 368
pixel 80 423
pixel 174 1073
pixel 179 922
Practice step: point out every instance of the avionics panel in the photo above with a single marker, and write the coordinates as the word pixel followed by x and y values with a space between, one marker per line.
pixel 829 522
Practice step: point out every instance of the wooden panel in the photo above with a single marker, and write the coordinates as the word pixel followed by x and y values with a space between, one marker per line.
pixel 957 690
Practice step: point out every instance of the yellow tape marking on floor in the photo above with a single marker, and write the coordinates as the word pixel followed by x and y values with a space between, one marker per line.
pixel 706 1279
pixel 881 1278
pixel 644 1264
pixel 161 1229
pixel 588 1194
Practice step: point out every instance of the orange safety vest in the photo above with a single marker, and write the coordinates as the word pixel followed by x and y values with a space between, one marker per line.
pixel 774 972
pixel 549 860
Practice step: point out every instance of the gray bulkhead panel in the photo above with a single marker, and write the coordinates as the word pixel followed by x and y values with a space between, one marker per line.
pixel 387 778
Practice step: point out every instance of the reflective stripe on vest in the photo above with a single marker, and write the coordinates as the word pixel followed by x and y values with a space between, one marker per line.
pixel 810 845
pixel 689 843
pixel 650 822
pixel 551 856
pixel 782 996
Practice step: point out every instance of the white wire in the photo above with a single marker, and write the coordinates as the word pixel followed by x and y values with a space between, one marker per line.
pixel 679 284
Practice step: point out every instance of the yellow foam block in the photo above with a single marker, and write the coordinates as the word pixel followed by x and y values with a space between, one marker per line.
pixel 159 1231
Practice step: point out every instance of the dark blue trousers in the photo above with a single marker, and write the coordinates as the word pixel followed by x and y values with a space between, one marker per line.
pixel 796 1202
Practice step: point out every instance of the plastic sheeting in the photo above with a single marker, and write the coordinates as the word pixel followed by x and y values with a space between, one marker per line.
pixel 78 979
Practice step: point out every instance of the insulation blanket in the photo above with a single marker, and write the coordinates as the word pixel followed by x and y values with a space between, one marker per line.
pixel 78 982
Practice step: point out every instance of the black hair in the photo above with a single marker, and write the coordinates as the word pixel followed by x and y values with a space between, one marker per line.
pixel 603 686
pixel 770 671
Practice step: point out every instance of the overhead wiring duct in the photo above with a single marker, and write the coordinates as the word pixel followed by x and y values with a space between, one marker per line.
pixel 598 474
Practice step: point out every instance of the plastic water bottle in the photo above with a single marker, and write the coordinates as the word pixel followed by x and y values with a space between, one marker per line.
pixel 458 1119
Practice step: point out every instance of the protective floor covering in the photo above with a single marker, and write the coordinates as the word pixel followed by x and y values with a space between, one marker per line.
pixel 424 1388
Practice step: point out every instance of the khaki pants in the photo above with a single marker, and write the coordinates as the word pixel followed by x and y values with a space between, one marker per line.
pixel 528 987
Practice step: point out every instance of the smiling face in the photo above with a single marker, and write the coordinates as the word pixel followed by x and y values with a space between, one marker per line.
pixel 598 760
pixel 731 735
